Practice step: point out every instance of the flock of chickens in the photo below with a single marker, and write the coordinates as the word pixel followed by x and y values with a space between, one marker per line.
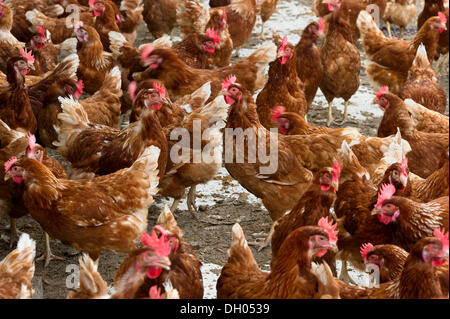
pixel 72 80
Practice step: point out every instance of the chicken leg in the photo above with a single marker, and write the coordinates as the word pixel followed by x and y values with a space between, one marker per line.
pixel 236 52
pixel 261 35
pixel 14 233
pixel 190 200
pixel 388 26
pixel 401 32
pixel 345 119
pixel 174 206
pixel 48 255
pixel 329 119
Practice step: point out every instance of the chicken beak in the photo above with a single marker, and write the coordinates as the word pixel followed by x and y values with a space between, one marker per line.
pixel 7 176
pixel 375 211
pixel 280 54
pixel 333 247
pixel 164 263
pixel 404 180
pixel 31 66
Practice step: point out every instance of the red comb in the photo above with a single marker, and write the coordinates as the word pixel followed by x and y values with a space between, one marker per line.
pixel 332 3
pixel 386 192
pixel 442 17
pixel 213 35
pixel 404 166
pixel 155 293
pixel 329 228
pixel 277 111
pixel 41 31
pixel 161 244
pixel 231 79
pixel 321 25
pixel 365 249
pixel 31 141
pixel 91 3
pixel 118 18
pixel 160 88
pixel 146 52
pixel 132 90
pixel 440 234
pixel 224 16
pixel 28 56
pixel 383 90
pixel 283 44
pixel 10 163
pixel 336 171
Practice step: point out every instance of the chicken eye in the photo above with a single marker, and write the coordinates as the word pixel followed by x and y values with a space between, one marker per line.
pixel 395 173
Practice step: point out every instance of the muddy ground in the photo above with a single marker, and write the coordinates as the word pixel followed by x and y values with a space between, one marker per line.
pixel 222 202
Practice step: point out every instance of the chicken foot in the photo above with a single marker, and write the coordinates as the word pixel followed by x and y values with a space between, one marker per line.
pixel 329 119
pixel 345 119
pixel 268 239
pixel 48 255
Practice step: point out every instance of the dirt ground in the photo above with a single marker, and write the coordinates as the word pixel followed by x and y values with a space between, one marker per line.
pixel 210 234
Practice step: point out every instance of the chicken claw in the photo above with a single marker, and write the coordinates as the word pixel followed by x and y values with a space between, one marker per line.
pixel 268 239
pixel 48 255
pixel 345 119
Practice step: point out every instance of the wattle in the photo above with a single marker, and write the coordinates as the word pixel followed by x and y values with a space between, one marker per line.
pixel 17 179
pixel 229 100
pixel 153 272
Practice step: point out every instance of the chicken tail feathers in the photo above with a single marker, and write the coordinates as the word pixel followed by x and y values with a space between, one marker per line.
pixel 92 284
pixel 73 119
pixel 192 17
pixel 18 265
pixel 67 48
